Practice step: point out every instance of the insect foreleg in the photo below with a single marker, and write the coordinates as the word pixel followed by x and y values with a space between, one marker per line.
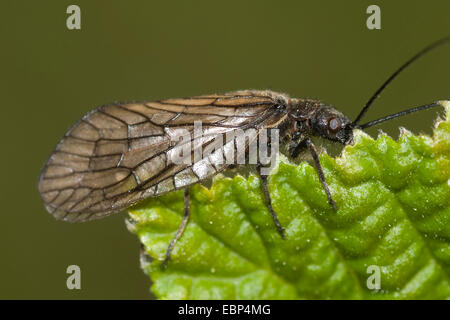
pixel 187 213
pixel 265 188
pixel 315 156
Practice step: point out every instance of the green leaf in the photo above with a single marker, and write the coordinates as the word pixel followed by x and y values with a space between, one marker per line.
pixel 394 214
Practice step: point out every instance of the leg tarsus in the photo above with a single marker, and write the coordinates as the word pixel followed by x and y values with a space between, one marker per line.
pixel 269 204
pixel 187 213
pixel 313 151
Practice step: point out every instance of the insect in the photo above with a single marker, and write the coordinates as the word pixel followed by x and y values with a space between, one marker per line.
pixel 119 154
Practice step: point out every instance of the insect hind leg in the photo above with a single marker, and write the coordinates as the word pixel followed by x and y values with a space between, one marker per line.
pixel 187 213
pixel 265 188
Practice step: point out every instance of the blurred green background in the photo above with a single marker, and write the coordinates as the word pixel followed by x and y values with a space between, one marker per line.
pixel 143 50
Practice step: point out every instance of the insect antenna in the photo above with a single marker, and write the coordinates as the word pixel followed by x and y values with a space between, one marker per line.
pixel 398 114
pixel 421 53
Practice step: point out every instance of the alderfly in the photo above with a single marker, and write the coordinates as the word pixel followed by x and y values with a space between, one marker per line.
pixel 122 153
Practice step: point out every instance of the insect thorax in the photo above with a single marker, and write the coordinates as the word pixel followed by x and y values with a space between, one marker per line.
pixel 315 118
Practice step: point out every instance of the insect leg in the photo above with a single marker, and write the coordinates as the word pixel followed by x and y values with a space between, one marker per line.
pixel 313 151
pixel 298 144
pixel 187 213
pixel 265 188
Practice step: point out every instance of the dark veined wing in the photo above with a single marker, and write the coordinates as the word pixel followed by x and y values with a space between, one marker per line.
pixel 119 154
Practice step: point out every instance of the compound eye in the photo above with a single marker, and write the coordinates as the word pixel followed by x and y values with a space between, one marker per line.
pixel 334 125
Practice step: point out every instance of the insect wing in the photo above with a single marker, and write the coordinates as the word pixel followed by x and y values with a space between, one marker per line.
pixel 119 154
